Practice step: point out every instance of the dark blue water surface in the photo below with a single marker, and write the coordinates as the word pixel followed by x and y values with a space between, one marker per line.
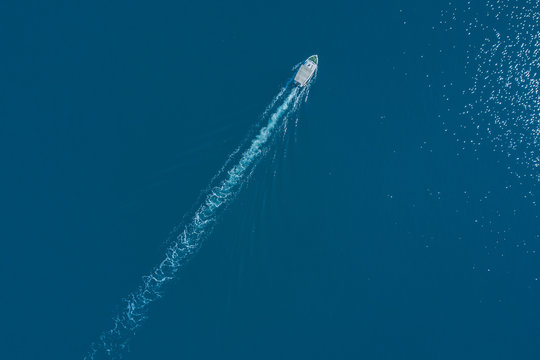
pixel 365 233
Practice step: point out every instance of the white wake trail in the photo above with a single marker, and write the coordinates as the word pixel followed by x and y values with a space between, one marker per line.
pixel 113 342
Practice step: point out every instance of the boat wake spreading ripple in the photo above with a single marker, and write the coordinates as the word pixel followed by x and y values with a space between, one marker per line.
pixel 113 343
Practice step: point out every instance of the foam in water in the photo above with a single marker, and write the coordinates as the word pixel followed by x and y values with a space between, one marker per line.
pixel 113 342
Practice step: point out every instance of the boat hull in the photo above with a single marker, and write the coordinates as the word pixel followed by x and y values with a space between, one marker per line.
pixel 306 71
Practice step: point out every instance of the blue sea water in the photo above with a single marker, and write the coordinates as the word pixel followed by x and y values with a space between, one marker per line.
pixel 366 231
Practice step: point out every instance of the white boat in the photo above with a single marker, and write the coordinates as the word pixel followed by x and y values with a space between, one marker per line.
pixel 306 71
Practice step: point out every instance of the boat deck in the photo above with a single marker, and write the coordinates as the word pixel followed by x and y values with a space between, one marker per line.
pixel 303 75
